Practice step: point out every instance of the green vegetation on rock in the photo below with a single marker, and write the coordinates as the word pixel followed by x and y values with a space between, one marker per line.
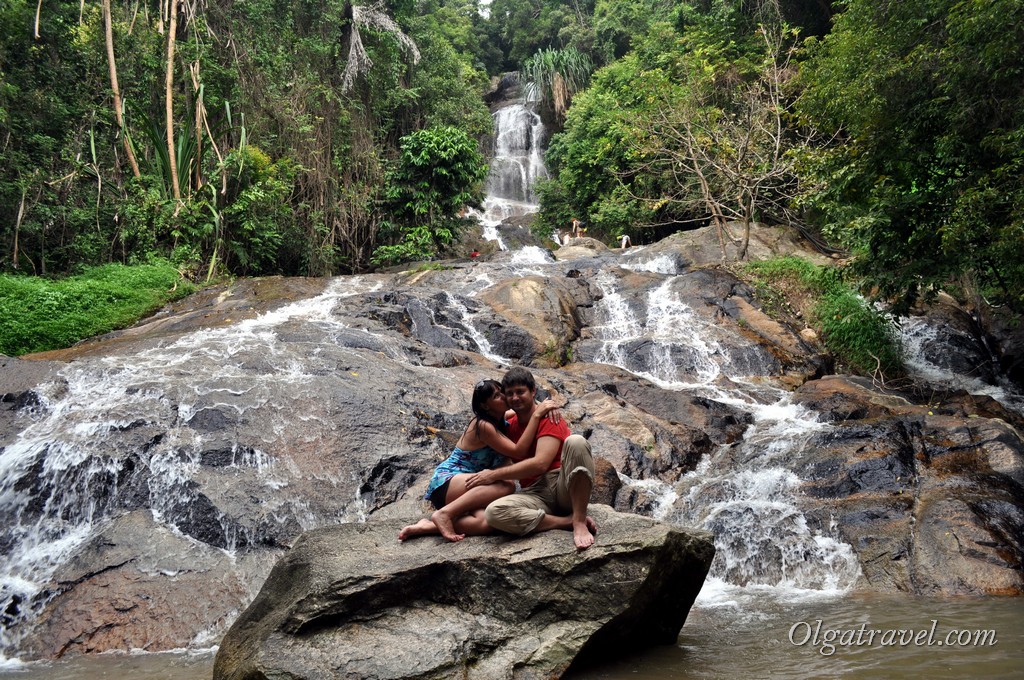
pixel 862 339
pixel 38 314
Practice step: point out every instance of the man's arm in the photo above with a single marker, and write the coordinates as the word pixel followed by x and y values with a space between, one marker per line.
pixel 547 450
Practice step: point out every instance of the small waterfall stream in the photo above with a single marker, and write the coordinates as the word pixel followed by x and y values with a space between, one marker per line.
pixel 926 349
pixel 518 162
pixel 740 494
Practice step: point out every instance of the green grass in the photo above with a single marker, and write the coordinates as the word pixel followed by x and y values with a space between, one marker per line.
pixel 860 337
pixel 38 314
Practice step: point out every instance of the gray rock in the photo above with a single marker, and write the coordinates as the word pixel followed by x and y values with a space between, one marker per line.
pixel 702 246
pixel 932 503
pixel 351 601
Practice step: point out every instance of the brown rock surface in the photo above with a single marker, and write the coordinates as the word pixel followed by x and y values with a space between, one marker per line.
pixel 137 585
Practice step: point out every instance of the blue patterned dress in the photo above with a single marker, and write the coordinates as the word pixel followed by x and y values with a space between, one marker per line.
pixel 464 461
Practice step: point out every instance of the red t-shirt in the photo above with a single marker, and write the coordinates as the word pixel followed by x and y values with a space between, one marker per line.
pixel 546 428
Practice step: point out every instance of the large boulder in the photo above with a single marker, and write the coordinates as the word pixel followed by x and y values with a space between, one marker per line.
pixel 707 246
pixel 351 601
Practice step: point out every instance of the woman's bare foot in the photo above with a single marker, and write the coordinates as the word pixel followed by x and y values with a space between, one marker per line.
pixel 421 528
pixel 445 526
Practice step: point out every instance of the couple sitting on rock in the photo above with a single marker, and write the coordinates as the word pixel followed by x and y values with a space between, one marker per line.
pixel 473 489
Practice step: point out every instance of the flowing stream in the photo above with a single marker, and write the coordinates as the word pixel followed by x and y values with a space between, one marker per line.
pixel 772 570
pixel 742 494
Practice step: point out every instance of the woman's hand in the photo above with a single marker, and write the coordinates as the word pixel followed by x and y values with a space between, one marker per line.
pixel 548 408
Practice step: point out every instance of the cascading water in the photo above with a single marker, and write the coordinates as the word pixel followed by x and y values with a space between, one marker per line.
pixel 926 351
pixel 743 494
pixel 518 161
pixel 466 317
pixel 69 472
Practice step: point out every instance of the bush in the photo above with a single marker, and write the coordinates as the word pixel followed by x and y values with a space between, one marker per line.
pixel 42 314
pixel 861 338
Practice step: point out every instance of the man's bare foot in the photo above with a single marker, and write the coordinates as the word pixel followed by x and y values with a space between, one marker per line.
pixel 421 528
pixel 444 525
pixel 583 534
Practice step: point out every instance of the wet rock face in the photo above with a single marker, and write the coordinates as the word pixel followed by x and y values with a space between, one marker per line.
pixel 950 338
pixel 128 588
pixel 351 601
pixel 239 423
pixel 931 503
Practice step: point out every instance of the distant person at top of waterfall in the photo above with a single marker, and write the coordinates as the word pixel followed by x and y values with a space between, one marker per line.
pixel 484 444
pixel 577 230
pixel 556 477
pixel 624 241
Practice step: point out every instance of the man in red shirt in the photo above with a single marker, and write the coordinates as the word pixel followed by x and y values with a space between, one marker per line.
pixel 556 476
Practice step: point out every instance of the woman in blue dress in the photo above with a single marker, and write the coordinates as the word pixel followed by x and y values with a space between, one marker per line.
pixel 484 445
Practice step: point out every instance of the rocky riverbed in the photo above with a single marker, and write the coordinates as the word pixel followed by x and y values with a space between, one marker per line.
pixel 187 454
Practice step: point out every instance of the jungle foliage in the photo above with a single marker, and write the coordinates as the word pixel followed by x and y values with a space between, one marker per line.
pixel 274 136
pixel 251 138
pixel 926 102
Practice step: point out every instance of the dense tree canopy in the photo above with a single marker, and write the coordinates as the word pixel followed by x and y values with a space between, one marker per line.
pixel 267 151
pixel 280 135
pixel 900 140
pixel 927 101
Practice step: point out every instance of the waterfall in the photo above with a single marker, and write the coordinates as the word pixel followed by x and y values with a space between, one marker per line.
pixel 518 161
pixel 466 317
pixel 85 457
pixel 667 342
pixel 926 349
pixel 743 495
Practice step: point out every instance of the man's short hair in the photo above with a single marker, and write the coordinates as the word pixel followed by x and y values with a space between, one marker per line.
pixel 519 376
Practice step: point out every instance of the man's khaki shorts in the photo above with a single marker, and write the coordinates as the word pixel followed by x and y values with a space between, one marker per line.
pixel 521 512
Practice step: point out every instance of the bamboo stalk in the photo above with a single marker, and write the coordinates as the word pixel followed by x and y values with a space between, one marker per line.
pixel 169 99
pixel 118 112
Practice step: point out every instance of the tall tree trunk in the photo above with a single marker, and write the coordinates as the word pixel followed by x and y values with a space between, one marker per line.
pixel 109 30
pixel 198 118
pixel 172 30
pixel 17 228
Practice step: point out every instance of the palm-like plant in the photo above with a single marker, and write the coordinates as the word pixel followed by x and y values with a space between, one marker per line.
pixel 555 76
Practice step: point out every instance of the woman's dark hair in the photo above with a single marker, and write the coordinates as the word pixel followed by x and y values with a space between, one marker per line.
pixel 483 391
